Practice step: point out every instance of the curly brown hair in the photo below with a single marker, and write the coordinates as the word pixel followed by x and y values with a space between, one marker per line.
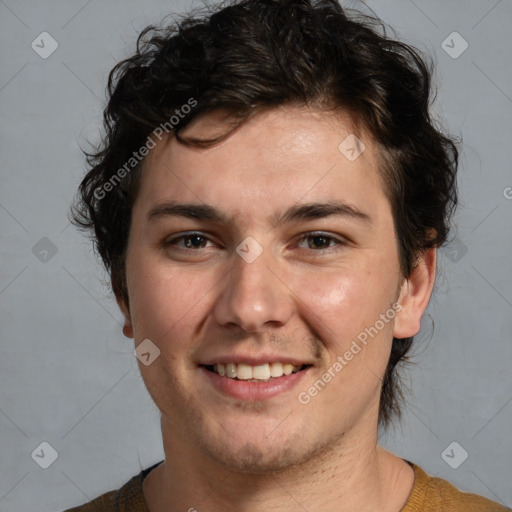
pixel 248 56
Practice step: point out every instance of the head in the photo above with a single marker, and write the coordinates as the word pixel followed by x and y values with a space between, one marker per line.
pixel 249 111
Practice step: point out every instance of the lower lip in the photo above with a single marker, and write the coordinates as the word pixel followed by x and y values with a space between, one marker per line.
pixel 253 391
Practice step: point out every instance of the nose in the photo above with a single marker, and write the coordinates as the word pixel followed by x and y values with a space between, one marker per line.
pixel 253 297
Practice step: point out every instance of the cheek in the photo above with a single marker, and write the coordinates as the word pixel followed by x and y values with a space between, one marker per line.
pixel 341 306
pixel 162 300
pixel 346 314
pixel 164 309
pixel 340 310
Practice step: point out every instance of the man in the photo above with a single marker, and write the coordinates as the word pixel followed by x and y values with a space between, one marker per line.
pixel 268 200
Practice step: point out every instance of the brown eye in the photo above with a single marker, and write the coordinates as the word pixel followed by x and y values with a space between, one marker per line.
pixel 318 241
pixel 188 241
pixel 194 241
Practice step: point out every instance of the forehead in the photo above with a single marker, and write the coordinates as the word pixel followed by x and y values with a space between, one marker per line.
pixel 279 157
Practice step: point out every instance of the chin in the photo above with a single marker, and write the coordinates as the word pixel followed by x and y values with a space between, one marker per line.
pixel 261 454
pixel 254 459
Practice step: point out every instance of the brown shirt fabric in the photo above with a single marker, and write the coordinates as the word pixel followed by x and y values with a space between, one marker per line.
pixel 429 494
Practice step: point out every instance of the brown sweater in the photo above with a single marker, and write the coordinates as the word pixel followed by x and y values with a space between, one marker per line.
pixel 428 495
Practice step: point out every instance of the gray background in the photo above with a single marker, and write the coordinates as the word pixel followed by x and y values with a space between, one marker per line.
pixel 67 374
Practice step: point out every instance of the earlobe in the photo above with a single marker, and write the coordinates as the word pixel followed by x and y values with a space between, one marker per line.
pixel 127 327
pixel 415 294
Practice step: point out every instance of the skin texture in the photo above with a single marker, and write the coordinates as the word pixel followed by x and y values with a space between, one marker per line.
pixel 304 297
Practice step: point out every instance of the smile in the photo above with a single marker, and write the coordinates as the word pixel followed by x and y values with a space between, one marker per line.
pixel 261 372
pixel 254 382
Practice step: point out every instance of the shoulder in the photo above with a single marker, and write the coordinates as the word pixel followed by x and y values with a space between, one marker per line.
pixel 130 497
pixel 432 494
pixel 105 502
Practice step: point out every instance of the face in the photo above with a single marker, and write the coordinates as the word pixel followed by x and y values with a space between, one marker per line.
pixel 269 250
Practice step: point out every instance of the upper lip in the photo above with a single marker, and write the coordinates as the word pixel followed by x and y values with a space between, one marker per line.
pixel 252 360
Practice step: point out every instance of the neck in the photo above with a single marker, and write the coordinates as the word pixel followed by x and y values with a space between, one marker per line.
pixel 355 474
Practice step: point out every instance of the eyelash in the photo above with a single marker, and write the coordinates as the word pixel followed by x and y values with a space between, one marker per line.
pixel 305 236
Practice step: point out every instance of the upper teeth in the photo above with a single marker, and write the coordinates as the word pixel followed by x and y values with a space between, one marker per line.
pixel 260 372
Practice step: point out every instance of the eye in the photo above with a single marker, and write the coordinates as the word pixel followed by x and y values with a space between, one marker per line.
pixel 318 241
pixel 187 241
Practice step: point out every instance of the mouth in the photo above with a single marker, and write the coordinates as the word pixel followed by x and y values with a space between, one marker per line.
pixel 265 372
pixel 254 378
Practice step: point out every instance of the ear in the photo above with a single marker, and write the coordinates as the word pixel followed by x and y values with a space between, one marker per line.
pixel 127 327
pixel 414 295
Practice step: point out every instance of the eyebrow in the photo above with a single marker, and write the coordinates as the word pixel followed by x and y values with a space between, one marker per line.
pixel 313 211
pixel 302 212
pixel 187 210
